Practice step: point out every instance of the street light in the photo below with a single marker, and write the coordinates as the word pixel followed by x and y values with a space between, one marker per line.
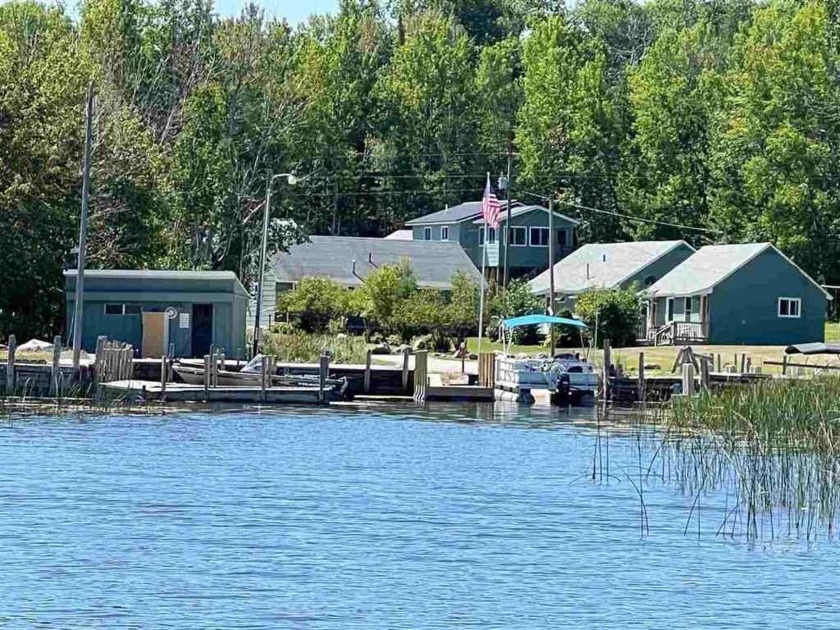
pixel 291 179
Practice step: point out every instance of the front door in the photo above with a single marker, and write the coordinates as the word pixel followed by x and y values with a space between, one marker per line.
pixel 202 329
pixel 154 334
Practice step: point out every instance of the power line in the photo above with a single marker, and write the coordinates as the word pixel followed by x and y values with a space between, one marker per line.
pixel 639 219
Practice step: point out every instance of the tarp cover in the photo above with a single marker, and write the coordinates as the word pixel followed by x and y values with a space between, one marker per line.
pixel 813 348
pixel 536 320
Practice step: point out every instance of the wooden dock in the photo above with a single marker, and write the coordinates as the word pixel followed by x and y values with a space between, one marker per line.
pixel 182 392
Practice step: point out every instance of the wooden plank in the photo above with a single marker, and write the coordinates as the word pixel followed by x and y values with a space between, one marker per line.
pixel 688 379
pixel 10 366
pixel 264 377
pixel 164 373
pixel 406 358
pixel 323 373
pixel 421 378
pixel 206 377
pixel 640 390
pixel 814 366
pixel 460 392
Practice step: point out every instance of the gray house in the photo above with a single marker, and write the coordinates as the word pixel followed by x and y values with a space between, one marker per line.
pixel 736 294
pixel 610 266
pixel 152 309
pixel 528 234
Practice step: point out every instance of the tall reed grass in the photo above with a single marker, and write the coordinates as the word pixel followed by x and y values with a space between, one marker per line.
pixel 300 347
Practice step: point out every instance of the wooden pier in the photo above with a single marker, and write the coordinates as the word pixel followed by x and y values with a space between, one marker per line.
pixel 181 392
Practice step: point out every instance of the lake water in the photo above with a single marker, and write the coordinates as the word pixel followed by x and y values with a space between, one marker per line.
pixel 459 517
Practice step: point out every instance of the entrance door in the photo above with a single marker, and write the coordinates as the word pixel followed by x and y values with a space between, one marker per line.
pixel 202 329
pixel 154 334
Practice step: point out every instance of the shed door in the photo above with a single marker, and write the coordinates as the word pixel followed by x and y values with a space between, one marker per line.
pixel 154 334
pixel 202 329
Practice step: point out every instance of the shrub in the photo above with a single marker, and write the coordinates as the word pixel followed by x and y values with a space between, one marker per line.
pixel 315 302
pixel 616 313
pixel 302 347
pixel 382 291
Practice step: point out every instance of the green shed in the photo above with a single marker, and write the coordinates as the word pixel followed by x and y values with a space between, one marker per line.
pixel 749 293
pixel 152 309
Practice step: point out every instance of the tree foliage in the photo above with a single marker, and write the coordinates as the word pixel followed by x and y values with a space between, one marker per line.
pixel 610 314
pixel 712 122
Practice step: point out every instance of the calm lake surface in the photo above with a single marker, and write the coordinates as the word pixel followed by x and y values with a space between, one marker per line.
pixel 456 517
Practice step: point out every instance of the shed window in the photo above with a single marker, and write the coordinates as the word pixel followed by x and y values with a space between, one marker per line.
pixel 122 309
pixel 131 309
pixel 444 233
pixel 561 238
pixel 517 236
pixel 113 309
pixel 427 234
pixel 539 237
pixel 790 307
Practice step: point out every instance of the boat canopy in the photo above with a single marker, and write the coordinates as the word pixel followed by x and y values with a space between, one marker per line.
pixel 813 348
pixel 536 320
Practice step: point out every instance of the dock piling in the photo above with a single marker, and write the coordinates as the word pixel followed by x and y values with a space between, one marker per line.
pixel 688 379
pixel 323 372
pixel 606 370
pixel 206 377
pixel 640 393
pixel 10 366
pixel 164 373
pixel 421 375
pixel 55 387
pixel 406 358
pixel 367 372
pixel 263 377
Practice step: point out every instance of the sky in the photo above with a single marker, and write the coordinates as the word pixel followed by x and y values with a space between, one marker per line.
pixel 295 11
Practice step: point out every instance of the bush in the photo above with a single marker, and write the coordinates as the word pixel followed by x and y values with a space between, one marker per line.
pixel 380 295
pixel 616 313
pixel 302 347
pixel 315 302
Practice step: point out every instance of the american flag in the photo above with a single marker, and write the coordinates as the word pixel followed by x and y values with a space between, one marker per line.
pixel 490 205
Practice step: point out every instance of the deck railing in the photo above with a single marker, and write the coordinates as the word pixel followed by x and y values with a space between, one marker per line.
pixel 674 333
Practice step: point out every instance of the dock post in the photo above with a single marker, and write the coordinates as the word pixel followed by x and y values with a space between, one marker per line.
pixel 323 371
pixel 10 366
pixel 263 377
pixel 406 355
pixel 55 372
pixel 717 363
pixel 743 362
pixel 367 372
pixel 688 379
pixel 606 370
pixel 748 365
pixel 784 364
pixel 170 355
pixel 421 378
pixel 640 394
pixel 206 377
pixel 164 373
pixel 99 358
pixel 705 379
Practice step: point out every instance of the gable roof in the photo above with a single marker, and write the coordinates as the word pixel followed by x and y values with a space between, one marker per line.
pixel 455 214
pixel 433 262
pixel 520 210
pixel 400 235
pixel 709 266
pixel 602 265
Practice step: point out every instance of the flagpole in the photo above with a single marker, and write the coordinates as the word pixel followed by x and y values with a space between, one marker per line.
pixel 481 299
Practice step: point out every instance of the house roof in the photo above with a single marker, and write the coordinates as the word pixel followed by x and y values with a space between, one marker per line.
pixel 709 266
pixel 171 277
pixel 602 265
pixel 401 235
pixel 520 210
pixel 455 214
pixel 433 262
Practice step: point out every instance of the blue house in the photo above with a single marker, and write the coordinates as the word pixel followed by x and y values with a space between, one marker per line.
pixel 528 235
pixel 736 294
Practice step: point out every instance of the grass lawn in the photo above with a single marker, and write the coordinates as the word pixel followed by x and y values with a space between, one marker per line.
pixel 664 356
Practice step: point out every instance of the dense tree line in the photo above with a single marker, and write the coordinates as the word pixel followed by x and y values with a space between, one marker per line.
pixel 717 115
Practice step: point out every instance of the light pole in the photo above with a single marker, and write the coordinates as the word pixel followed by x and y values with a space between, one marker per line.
pixel 291 179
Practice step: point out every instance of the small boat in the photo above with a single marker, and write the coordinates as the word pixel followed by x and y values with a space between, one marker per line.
pixel 249 376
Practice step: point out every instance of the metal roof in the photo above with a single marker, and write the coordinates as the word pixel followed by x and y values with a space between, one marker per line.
pixel 164 275
pixel 401 235
pixel 602 266
pixel 710 265
pixel 455 214
pixel 433 262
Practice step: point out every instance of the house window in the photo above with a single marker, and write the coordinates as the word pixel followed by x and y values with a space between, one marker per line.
pixel 561 238
pixel 444 233
pixel 491 236
pixel 517 236
pixel 539 237
pixel 122 309
pixel 790 307
pixel 427 234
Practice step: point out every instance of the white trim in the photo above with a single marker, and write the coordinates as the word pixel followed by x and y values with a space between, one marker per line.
pixel 427 234
pixel 518 227
pixel 531 229
pixel 790 300
pixel 444 236
pixel 520 210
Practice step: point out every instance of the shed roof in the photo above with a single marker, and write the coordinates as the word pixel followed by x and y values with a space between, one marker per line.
pixel 220 280
pixel 602 265
pixel 433 262
pixel 709 266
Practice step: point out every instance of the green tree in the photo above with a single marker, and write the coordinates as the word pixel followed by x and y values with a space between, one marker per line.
pixel 383 291
pixel 610 314
pixel 315 302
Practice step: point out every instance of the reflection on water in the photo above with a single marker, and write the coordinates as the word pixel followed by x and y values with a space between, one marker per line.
pixel 446 516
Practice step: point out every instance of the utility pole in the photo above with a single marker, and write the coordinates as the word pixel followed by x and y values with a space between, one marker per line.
pixel 78 310
pixel 507 223
pixel 263 251
pixel 551 237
